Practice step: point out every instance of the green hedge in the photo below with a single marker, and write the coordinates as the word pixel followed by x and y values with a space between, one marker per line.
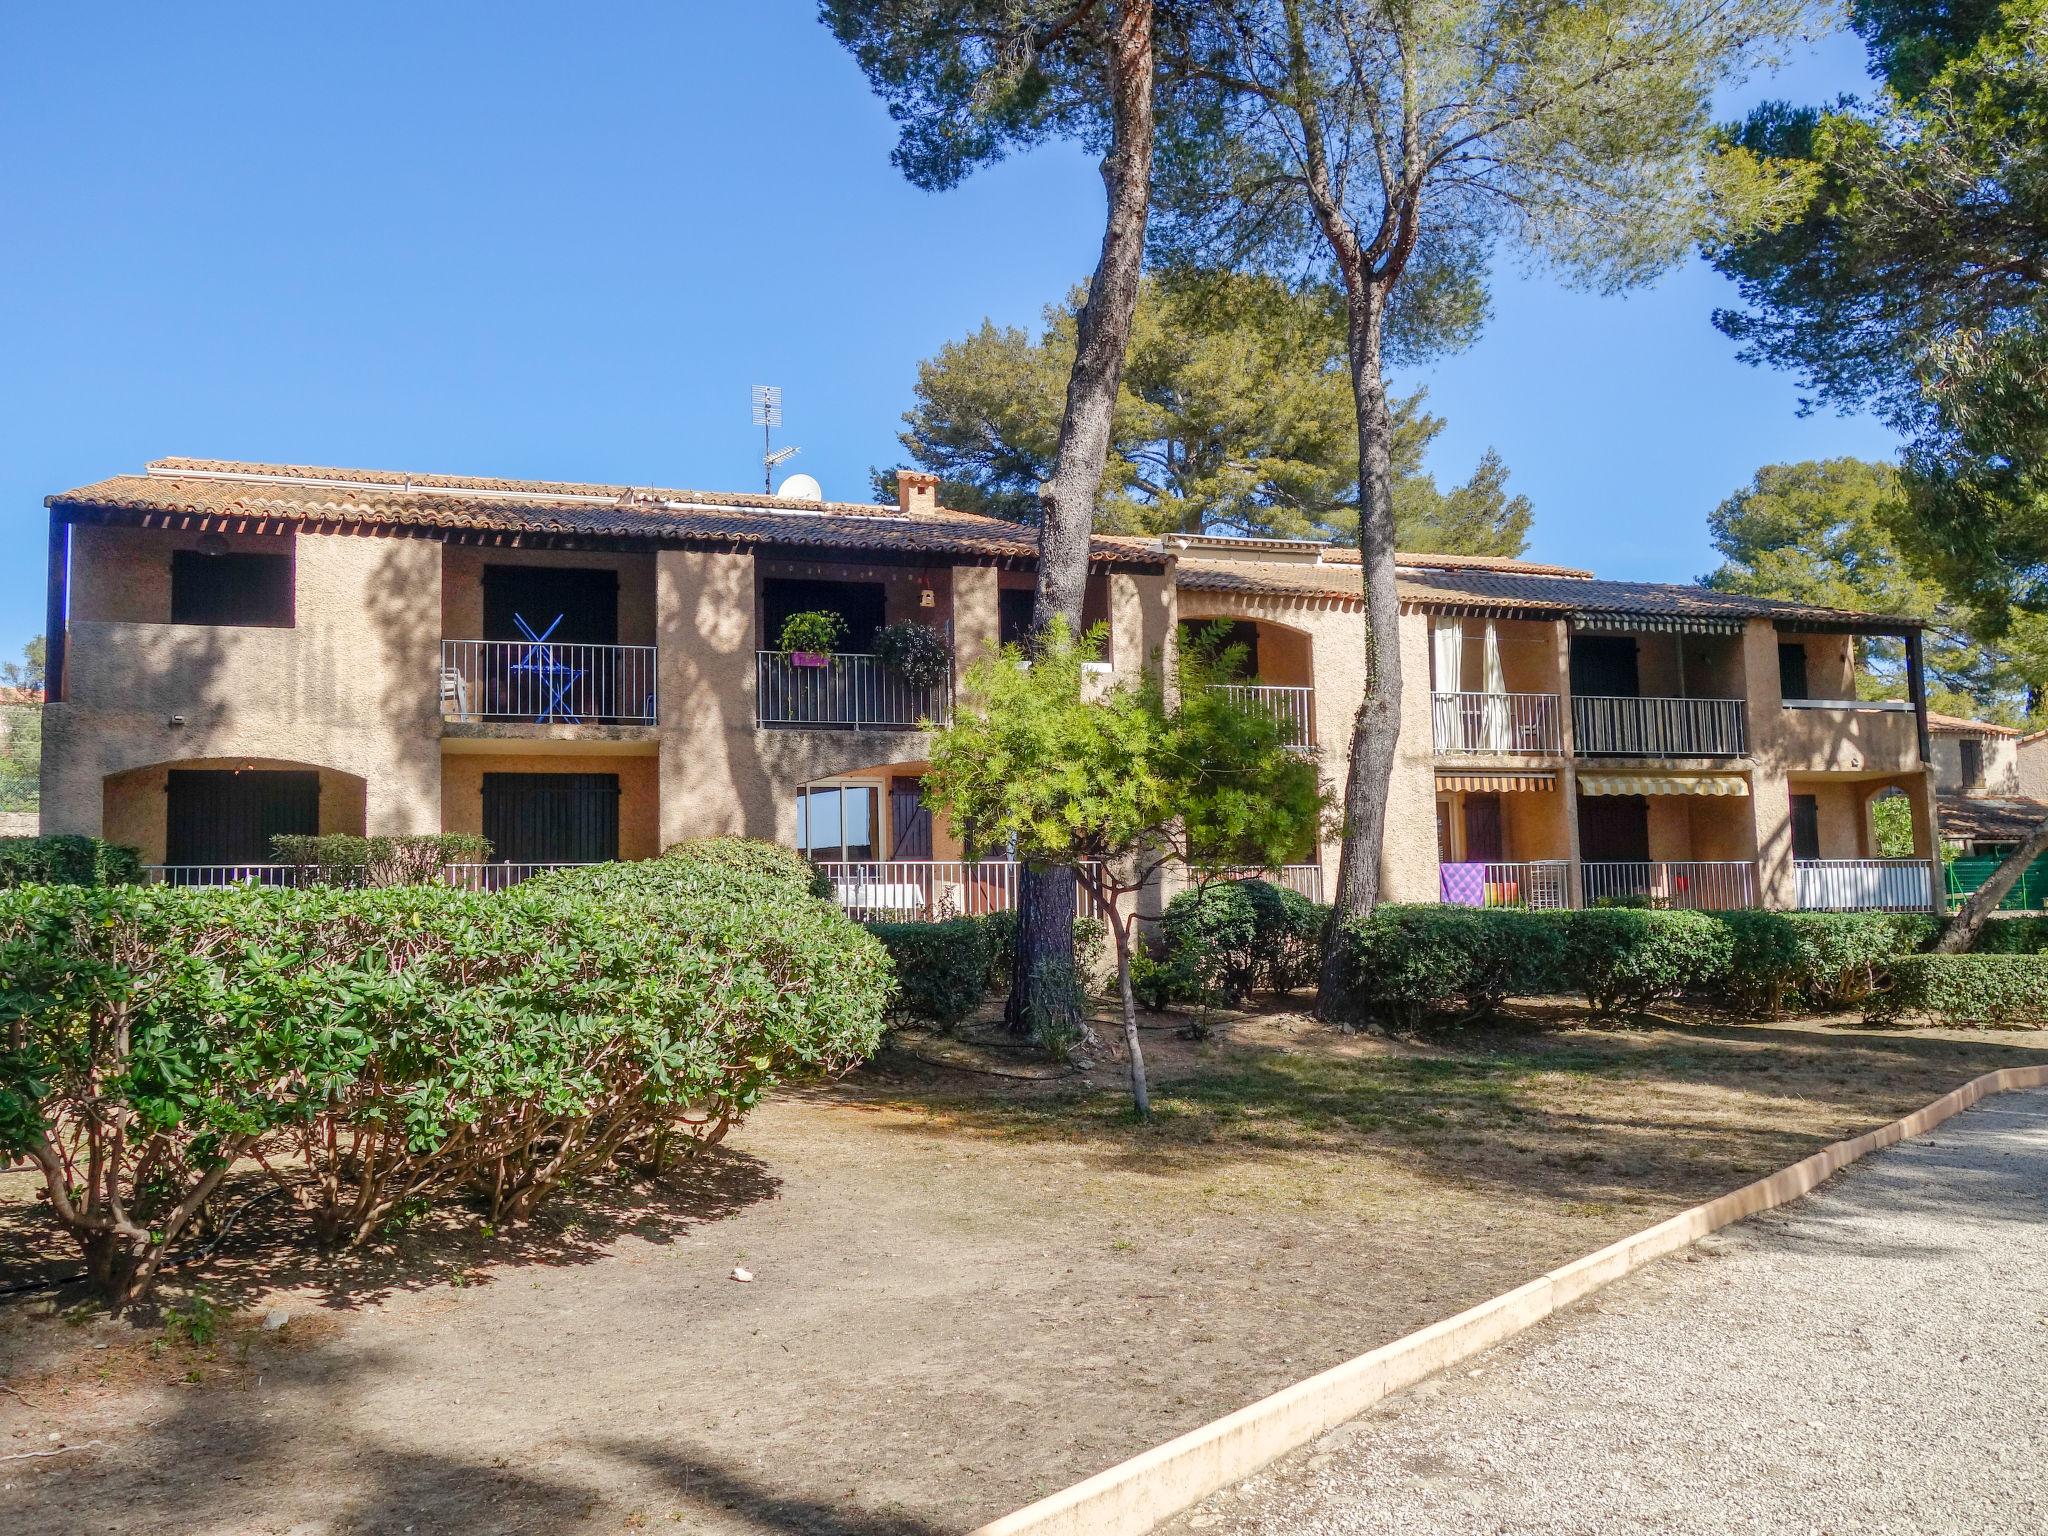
pixel 2008 991
pixel 942 969
pixel 1229 938
pixel 1412 963
pixel 747 858
pixel 2012 936
pixel 382 1046
pixel 336 858
pixel 66 860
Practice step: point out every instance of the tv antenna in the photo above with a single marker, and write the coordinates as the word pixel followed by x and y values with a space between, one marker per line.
pixel 768 416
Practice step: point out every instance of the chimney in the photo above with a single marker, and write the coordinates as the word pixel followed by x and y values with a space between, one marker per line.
pixel 916 491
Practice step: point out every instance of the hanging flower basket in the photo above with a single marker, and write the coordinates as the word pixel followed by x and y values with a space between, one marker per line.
pixel 809 659
pixel 808 639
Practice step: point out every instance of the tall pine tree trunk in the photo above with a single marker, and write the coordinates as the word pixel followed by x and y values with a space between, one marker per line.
pixel 1377 726
pixel 1044 989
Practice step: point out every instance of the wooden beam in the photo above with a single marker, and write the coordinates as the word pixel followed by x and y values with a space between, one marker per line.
pixel 1916 690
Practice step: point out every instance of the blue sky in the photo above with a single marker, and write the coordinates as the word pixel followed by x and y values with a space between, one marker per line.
pixel 506 239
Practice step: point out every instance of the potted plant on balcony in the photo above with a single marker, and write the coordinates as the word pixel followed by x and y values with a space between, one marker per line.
pixel 808 639
pixel 915 652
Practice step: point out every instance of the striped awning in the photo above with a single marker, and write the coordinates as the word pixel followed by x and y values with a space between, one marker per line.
pixel 1494 783
pixel 1660 623
pixel 1663 784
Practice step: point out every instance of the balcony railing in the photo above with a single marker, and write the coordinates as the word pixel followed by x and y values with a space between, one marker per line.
pixel 1291 709
pixel 1864 885
pixel 1700 885
pixel 850 691
pixel 928 890
pixel 547 684
pixel 1615 726
pixel 468 877
pixel 1497 722
pixel 1542 883
pixel 1302 879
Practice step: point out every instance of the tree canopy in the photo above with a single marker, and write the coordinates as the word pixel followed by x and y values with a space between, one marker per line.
pixel 1235 416
pixel 1820 532
pixel 1907 278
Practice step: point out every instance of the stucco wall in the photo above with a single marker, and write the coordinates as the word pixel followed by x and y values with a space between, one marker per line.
pixel 2001 764
pixel 352 686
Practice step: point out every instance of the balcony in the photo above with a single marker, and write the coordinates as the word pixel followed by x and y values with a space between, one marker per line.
pixel 849 691
pixel 1698 885
pixel 1542 884
pixel 542 683
pixel 1525 723
pixel 928 890
pixel 1865 885
pixel 1291 709
pixel 467 877
pixel 1621 726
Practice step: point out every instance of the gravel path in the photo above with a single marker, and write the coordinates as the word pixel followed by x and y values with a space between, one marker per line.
pixel 1872 1358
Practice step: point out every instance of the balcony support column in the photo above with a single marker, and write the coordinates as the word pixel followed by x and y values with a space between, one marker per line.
pixel 1777 882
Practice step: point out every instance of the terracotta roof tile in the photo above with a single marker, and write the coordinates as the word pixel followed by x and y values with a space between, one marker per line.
pixel 1989 818
pixel 456 503
pixel 1956 725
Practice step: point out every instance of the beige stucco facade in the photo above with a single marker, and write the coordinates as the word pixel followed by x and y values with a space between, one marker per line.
pixel 354 687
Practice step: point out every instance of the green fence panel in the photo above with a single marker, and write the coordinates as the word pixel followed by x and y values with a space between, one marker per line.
pixel 2028 894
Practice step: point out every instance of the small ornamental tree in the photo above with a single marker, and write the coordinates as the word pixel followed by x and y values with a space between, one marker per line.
pixel 1117 787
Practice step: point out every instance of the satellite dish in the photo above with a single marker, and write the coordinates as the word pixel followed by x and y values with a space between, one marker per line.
pixel 800 488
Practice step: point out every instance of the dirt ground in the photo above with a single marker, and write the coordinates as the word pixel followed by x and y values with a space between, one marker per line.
pixel 975 1281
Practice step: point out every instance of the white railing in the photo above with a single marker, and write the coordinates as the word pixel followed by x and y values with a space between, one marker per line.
pixel 1291 709
pixel 1496 722
pixel 1540 883
pixel 927 890
pixel 1864 885
pixel 1720 885
pixel 546 683
pixel 472 877
pixel 850 691
pixel 1302 879
pixel 1614 726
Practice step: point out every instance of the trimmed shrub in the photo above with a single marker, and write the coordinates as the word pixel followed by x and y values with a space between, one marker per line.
pixel 2010 936
pixel 1624 959
pixel 1995 991
pixel 748 857
pixel 1846 956
pixel 404 1042
pixel 1227 939
pixel 1091 950
pixel 1764 960
pixel 335 858
pixel 941 968
pixel 64 859
pixel 1410 964
pixel 1212 942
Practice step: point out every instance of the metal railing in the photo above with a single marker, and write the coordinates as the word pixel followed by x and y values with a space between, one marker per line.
pixel 1538 883
pixel 1496 722
pixel 1291 709
pixel 546 683
pixel 1302 879
pixel 472 877
pixel 1864 885
pixel 1703 885
pixel 1616 726
pixel 850 691
pixel 928 890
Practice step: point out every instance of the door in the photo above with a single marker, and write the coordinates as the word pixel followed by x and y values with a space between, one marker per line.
pixel 1604 666
pixel 572 606
pixel 220 816
pixel 552 818
pixel 1791 671
pixel 860 603
pixel 1805 827
pixel 910 821
pixel 1614 829
pixel 1484 841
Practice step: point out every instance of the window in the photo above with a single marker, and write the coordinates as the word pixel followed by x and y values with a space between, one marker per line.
pixel 837 821
pixel 1792 672
pixel 1805 827
pixel 1972 752
pixel 242 589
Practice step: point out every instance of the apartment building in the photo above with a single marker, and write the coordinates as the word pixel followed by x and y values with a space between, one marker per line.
pixel 584 672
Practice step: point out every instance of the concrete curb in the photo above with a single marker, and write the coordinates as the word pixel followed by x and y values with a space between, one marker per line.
pixel 1138 1494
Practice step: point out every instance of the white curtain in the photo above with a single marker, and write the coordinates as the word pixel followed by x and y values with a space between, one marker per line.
pixel 1498 726
pixel 1453 731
